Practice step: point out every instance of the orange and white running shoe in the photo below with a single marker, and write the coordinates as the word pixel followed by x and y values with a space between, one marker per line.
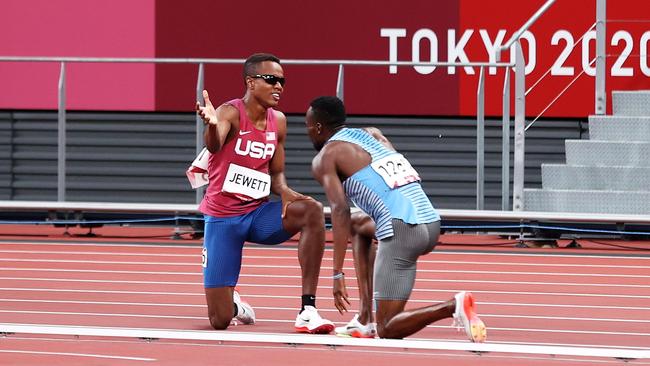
pixel 465 317
pixel 309 321
pixel 357 330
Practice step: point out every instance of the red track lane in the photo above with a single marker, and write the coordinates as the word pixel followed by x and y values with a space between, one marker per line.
pixel 75 352
pixel 559 297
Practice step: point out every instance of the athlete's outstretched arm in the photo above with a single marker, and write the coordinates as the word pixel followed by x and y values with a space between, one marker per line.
pixel 325 172
pixel 218 122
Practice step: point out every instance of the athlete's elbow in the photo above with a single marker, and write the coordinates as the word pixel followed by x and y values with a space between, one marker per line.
pixel 340 209
pixel 213 148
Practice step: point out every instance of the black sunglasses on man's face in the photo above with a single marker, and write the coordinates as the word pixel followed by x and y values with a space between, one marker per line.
pixel 270 79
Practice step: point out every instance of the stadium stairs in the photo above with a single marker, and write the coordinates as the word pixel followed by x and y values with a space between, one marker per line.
pixel 610 172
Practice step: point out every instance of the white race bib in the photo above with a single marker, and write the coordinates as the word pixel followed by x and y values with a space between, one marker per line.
pixel 248 182
pixel 395 170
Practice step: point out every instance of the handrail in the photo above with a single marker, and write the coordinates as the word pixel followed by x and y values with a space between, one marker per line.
pixel 201 62
pixel 241 61
pixel 524 28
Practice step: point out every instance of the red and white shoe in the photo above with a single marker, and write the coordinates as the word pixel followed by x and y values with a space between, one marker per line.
pixel 355 329
pixel 309 321
pixel 465 317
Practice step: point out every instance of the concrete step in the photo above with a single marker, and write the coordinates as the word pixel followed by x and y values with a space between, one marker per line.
pixel 615 178
pixel 619 128
pixel 607 153
pixel 631 103
pixel 587 201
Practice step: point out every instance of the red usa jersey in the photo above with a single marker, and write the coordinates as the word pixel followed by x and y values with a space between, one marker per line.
pixel 239 172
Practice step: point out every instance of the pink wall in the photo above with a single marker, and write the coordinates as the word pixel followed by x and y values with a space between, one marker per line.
pixel 335 29
pixel 84 28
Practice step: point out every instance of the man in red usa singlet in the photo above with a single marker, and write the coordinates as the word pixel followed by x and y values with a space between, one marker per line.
pixel 246 139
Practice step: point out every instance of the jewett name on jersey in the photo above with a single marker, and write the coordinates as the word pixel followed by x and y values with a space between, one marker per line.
pixel 248 181
pixel 254 149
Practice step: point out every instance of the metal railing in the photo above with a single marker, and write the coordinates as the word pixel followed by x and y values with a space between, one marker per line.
pixel 520 94
pixel 519 100
pixel 520 112
pixel 200 62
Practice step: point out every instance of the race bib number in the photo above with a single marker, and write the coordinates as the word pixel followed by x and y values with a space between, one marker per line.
pixel 204 258
pixel 248 182
pixel 395 170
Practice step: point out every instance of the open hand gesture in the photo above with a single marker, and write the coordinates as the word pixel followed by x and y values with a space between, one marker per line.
pixel 208 113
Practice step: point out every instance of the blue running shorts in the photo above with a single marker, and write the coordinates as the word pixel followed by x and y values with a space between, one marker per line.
pixel 224 239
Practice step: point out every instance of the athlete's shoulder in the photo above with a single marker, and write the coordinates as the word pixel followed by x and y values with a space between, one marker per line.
pixel 228 109
pixel 379 136
pixel 279 116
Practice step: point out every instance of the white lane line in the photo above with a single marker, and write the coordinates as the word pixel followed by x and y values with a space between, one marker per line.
pixel 294 258
pixel 40 301
pixel 488 292
pixel 197 273
pixel 547 256
pixel 148 254
pixel 192 246
pixel 475 291
pixel 194 283
pixel 127 341
pixel 325 340
pixel 118 315
pixel 104 291
pixel 332 310
pixel 607 285
pixel 372 352
pixel 197 263
pixel 352 298
pixel 474 263
pixel 346 269
pixel 197 253
pixel 253 247
pixel 91 355
pixel 291 321
pixel 564 318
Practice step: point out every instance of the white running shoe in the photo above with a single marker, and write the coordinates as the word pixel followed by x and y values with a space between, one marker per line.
pixel 357 330
pixel 245 313
pixel 465 317
pixel 308 321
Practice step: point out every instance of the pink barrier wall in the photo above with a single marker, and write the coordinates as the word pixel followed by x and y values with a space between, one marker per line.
pixel 410 30
pixel 84 28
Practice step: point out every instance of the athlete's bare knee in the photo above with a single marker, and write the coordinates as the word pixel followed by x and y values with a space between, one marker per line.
pixel 384 332
pixel 314 211
pixel 219 323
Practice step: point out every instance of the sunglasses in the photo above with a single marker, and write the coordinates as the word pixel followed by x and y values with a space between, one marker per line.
pixel 270 79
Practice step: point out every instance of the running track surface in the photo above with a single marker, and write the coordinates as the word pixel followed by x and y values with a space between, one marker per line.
pixel 597 297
